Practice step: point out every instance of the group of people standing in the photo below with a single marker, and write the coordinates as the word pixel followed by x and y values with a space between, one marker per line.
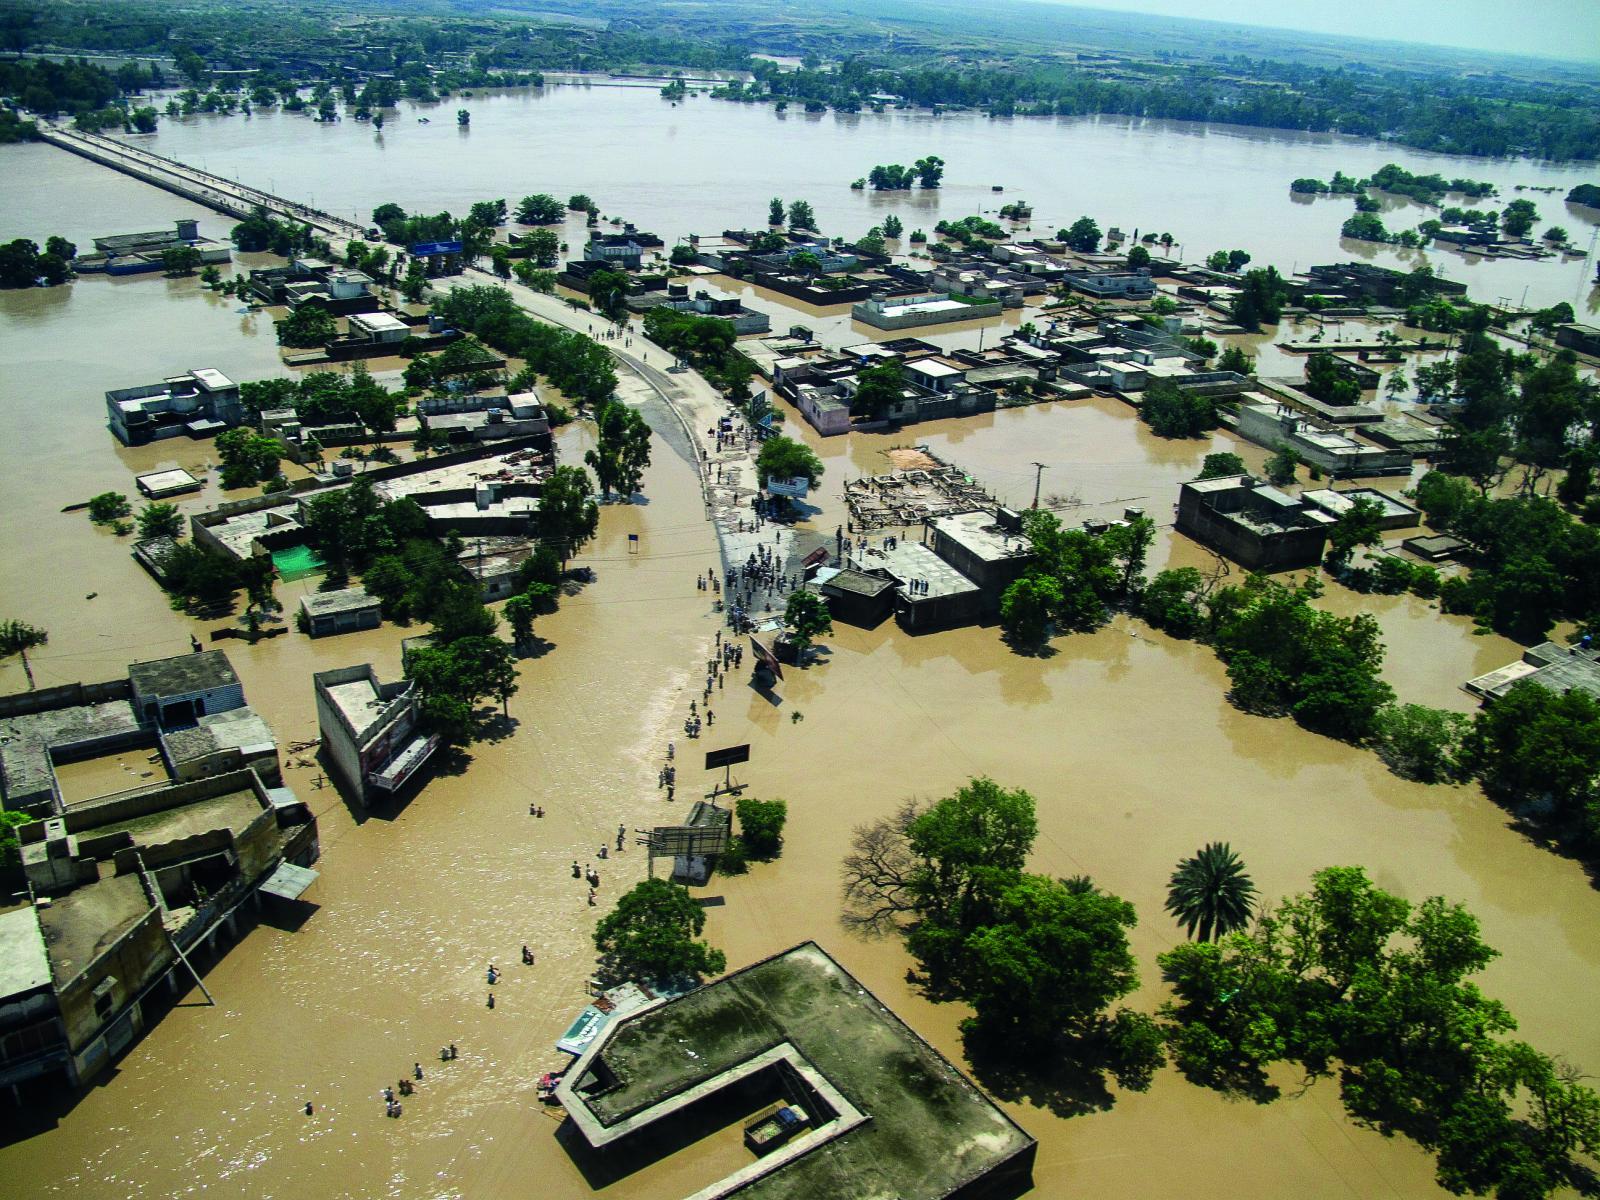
pixel 761 576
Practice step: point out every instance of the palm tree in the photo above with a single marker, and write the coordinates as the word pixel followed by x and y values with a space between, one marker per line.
pixel 1210 892
pixel 18 637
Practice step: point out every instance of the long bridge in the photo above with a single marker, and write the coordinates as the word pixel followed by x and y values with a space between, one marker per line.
pixel 181 179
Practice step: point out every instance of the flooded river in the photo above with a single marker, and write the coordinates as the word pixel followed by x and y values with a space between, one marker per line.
pixel 1123 736
pixel 704 165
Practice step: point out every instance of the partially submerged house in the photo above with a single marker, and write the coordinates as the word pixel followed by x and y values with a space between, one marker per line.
pixel 371 737
pixel 124 883
pixel 200 402
pixel 1256 525
pixel 880 1111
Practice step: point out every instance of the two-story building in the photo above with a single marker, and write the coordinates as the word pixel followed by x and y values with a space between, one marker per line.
pixel 372 741
pixel 199 403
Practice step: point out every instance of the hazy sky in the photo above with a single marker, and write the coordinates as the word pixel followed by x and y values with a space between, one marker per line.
pixel 1553 28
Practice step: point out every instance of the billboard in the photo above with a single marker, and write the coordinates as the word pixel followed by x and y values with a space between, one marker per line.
pixel 430 249
pixel 678 841
pixel 767 658
pixel 795 488
pixel 727 757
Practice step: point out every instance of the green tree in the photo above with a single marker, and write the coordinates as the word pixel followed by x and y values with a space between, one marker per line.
pixel 488 212
pixel 540 209
pixel 1285 656
pixel 18 637
pixel 1210 894
pixel 309 325
pixel 1172 412
pixel 10 843
pixel 157 519
pixel 452 678
pixel 806 618
pixel 1359 525
pixel 801 216
pixel 519 613
pixel 247 457
pixel 761 826
pixel 1172 602
pixel 892 226
pixel 108 508
pixel 929 170
pixel 1280 467
pixel 1328 381
pixel 1026 607
pixel 1048 960
pixel 1538 751
pixel 1083 236
pixel 785 458
pixel 530 276
pixel 1138 257
pixel 775 212
pixel 19 264
pixel 622 449
pixel 1260 300
pixel 1443 497
pixel 878 389
pixel 199 580
pixel 651 935
pixel 609 291
pixel 1519 217
pixel 544 247
pixel 180 260
pixel 1221 465
pixel 567 516
pixel 966 848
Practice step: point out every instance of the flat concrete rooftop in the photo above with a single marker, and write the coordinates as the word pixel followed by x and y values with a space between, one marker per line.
pixel 981 534
pixel 351 599
pixel 79 925
pixel 357 701
pixel 182 674
pixel 24 965
pixel 232 811
pixel 913 561
pixel 25 740
pixel 928 1129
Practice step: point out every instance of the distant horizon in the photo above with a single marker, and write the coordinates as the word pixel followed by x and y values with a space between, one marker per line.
pixel 1561 30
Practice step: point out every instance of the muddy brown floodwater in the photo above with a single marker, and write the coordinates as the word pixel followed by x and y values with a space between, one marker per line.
pixel 1124 736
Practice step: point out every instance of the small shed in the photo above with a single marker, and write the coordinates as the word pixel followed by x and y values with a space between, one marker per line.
pixel 343 611
pixel 855 597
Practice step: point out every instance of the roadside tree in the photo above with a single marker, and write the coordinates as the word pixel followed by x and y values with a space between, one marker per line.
pixel 806 618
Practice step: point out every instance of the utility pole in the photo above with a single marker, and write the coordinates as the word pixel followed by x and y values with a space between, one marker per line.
pixel 1038 477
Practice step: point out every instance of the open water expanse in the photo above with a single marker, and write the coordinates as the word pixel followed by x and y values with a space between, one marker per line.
pixel 706 165
pixel 1124 736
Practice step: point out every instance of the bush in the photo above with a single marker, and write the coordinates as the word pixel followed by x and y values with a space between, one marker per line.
pixel 1421 743
pixel 735 858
